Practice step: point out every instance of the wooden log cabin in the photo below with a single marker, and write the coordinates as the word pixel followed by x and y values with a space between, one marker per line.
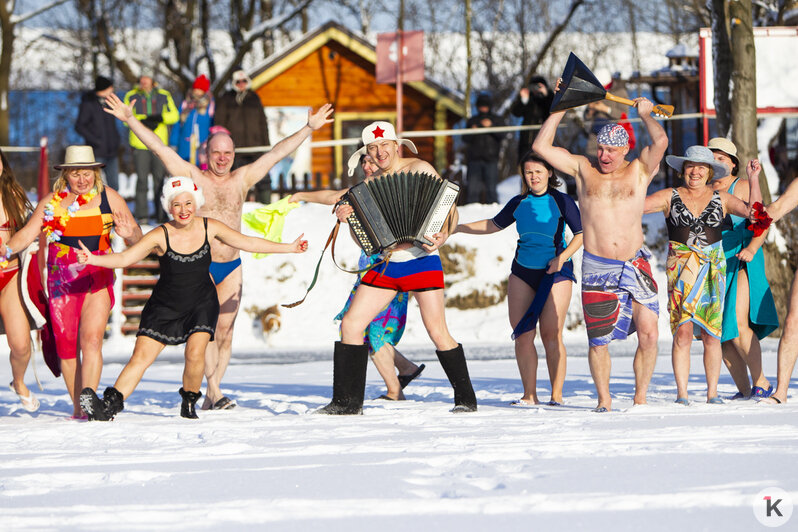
pixel 332 64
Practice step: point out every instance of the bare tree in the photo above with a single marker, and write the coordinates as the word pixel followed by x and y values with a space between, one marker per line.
pixel 187 27
pixel 9 20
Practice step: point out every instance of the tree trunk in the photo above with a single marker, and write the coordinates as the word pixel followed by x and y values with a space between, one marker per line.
pixel 744 131
pixel 5 71
pixel 722 65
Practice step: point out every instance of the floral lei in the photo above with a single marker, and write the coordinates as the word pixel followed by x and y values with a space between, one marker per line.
pixel 55 226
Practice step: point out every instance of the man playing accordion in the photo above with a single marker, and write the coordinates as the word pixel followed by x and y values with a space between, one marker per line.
pixel 408 269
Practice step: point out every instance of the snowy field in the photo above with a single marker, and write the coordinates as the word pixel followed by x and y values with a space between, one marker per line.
pixel 270 464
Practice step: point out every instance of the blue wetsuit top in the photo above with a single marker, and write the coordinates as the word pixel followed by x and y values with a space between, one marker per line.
pixel 540 221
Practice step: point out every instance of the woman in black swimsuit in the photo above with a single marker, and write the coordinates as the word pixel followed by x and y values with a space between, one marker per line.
pixel 183 307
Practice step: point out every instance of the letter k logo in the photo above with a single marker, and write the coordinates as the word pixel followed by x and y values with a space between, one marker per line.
pixel 772 506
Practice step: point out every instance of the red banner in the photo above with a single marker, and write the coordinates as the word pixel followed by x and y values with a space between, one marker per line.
pixel 412 56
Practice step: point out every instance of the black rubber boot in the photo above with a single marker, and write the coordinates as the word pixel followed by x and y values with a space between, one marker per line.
pixel 350 363
pixel 189 400
pixel 114 402
pixel 93 406
pixel 454 364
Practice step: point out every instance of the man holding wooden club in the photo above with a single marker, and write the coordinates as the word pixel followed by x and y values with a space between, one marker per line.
pixel 619 294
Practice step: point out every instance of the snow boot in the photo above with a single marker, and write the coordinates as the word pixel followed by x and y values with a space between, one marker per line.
pixel 92 405
pixel 350 363
pixel 114 402
pixel 189 400
pixel 454 364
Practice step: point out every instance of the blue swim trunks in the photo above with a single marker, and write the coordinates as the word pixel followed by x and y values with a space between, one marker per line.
pixel 220 270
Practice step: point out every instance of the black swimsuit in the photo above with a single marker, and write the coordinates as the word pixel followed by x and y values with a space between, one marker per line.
pixel 184 300
pixel 688 229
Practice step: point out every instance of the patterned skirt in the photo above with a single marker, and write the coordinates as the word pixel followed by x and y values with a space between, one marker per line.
pixel 696 287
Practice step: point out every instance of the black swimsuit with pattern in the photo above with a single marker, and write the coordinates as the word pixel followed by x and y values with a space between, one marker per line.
pixel 184 300
pixel 688 229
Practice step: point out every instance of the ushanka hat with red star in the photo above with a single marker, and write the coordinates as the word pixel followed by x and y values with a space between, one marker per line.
pixel 375 132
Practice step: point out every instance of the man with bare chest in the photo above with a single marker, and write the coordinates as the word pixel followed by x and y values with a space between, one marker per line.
pixel 406 268
pixel 225 191
pixel 619 295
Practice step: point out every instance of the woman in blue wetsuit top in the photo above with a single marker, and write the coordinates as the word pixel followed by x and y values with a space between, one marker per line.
pixel 542 271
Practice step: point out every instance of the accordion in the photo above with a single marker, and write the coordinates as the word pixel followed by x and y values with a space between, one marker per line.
pixel 398 208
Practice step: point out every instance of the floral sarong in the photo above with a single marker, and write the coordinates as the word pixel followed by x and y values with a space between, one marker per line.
pixel 389 325
pixel 696 287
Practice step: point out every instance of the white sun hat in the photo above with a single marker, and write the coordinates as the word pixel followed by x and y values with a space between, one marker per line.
pixel 698 154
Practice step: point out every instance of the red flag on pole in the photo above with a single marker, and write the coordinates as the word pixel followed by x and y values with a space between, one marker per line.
pixel 44 171
pixel 412 57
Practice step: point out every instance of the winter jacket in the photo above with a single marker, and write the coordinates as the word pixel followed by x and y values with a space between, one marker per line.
pixel 97 127
pixel 246 121
pixel 192 129
pixel 156 110
pixel 534 112
pixel 483 147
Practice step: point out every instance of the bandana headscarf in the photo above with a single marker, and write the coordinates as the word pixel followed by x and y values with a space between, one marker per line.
pixel 613 135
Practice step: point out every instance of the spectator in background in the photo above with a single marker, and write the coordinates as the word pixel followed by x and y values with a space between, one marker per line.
pixel 241 112
pixel 99 129
pixel 483 153
pixel 155 108
pixel 196 119
pixel 532 104
pixel 599 114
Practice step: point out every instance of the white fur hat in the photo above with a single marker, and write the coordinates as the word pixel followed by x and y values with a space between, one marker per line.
pixel 177 185
pixel 375 132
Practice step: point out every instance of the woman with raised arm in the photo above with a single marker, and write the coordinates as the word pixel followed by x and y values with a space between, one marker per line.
pixel 80 208
pixel 183 307
pixel 696 266
pixel 14 321
pixel 749 313
pixel 542 273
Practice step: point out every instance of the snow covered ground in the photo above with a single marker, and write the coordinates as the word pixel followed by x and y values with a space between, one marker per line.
pixel 271 464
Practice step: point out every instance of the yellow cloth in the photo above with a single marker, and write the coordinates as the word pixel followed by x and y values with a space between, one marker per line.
pixel 269 220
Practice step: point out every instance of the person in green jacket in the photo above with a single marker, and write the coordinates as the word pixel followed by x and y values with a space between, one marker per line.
pixel 156 109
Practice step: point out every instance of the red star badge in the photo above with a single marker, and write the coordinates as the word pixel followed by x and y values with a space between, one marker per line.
pixel 378 132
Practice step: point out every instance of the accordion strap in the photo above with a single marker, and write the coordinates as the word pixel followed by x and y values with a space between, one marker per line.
pixel 331 238
pixel 331 242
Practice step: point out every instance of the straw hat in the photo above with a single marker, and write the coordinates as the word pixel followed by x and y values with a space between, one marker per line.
pixel 726 146
pixel 79 157
pixel 374 132
pixel 698 154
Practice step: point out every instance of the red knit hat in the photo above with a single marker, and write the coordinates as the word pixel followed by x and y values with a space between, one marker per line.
pixel 202 83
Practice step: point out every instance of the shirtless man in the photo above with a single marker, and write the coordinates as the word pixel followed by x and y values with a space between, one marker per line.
pixel 619 294
pixel 788 343
pixel 225 191
pixel 410 269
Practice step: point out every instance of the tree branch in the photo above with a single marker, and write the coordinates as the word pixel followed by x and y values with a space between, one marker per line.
pixel 550 41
